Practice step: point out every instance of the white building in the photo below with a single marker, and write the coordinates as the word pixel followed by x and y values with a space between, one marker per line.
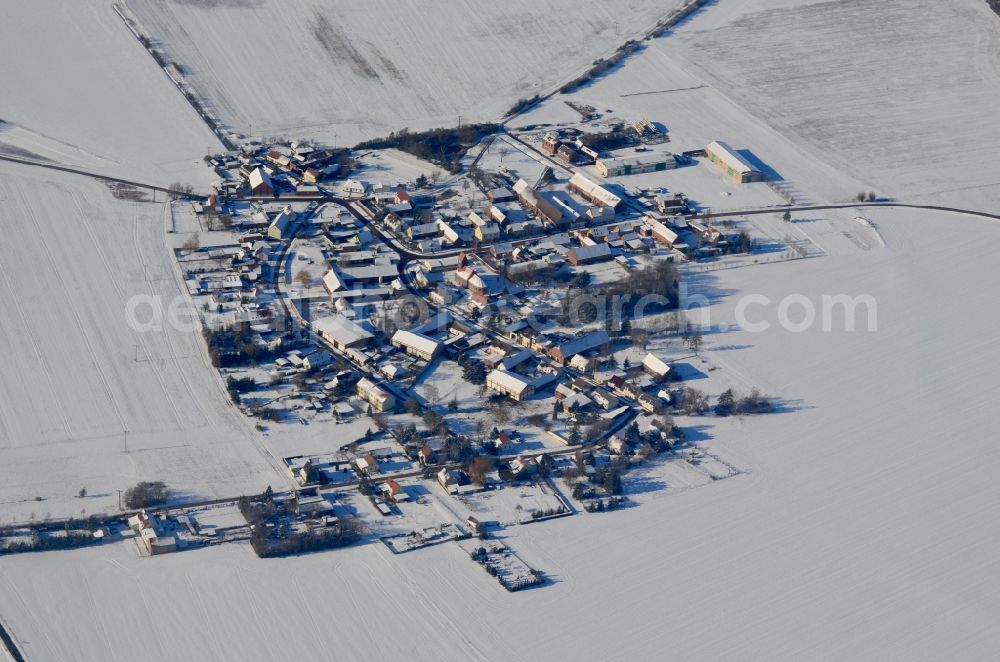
pixel 416 344
pixel 510 384
pixel 341 332
pixel 593 192
pixel 355 188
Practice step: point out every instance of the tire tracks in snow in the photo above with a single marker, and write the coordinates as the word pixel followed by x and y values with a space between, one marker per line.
pixel 116 285
pixel 39 357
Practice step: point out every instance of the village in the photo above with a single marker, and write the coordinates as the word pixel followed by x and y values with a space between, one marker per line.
pixel 464 349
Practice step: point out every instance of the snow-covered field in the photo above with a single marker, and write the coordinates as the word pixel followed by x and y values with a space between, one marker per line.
pixel 76 375
pixel 902 93
pixel 867 522
pixel 79 89
pixel 351 70
pixel 834 96
pixel 866 529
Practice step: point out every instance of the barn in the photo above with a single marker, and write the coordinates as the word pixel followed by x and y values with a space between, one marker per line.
pixel 733 163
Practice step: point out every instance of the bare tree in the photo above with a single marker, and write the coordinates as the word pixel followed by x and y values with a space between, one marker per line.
pixel 693 401
pixel 501 412
pixel 639 338
pixel 304 277
pixel 694 340
pixel 479 468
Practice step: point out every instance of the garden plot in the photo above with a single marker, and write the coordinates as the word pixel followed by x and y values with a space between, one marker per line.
pixel 432 535
pixel 501 562
pixel 421 510
pixel 513 504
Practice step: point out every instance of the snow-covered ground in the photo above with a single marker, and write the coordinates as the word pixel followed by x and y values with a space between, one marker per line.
pixel 77 375
pixel 79 89
pixel 866 528
pixel 834 97
pixel 866 524
pixel 346 71
pixel 901 93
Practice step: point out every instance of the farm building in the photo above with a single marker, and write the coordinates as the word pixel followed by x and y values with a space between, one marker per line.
pixel 661 233
pixel 510 384
pixel 567 350
pixel 416 344
pixel 633 165
pixel 260 184
pixel 733 163
pixel 379 398
pixel 588 254
pixel 341 332
pixel 656 367
pixel 372 273
pixel 501 194
pixel 593 192
pixel 530 198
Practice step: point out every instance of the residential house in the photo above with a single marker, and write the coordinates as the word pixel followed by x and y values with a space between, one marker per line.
pixel 280 227
pixel 379 398
pixel 367 465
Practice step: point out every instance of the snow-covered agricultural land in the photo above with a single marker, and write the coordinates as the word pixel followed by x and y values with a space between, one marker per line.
pixel 81 384
pixel 346 71
pixel 90 97
pixel 860 520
